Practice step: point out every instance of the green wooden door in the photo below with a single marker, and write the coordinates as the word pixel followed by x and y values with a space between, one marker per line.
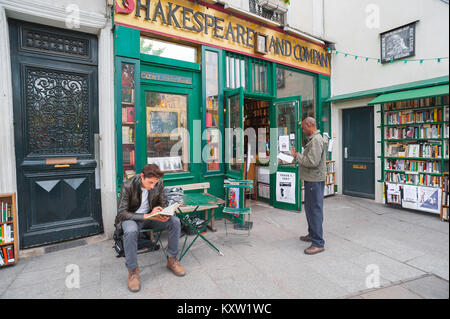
pixel 285 183
pixel 359 153
pixel 234 133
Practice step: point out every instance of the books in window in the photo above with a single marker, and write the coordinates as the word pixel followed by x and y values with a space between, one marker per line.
pixel 168 211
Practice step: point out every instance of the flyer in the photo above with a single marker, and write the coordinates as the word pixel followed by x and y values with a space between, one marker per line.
pixel 285 188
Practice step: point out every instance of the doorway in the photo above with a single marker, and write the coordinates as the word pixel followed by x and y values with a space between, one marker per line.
pixel 55 102
pixel 358 152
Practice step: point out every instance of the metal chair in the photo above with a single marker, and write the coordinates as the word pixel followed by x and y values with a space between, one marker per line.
pixel 236 204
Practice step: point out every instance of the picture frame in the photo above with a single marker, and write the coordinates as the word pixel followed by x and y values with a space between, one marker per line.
pixel 398 43
pixel 261 45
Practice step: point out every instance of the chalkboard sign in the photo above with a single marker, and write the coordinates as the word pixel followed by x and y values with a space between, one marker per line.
pixel 161 122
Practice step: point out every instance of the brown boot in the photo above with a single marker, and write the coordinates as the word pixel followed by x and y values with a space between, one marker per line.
pixel 134 284
pixel 174 265
pixel 305 238
pixel 312 250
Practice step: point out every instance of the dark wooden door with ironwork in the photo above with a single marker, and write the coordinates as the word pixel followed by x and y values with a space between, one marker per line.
pixel 359 152
pixel 55 97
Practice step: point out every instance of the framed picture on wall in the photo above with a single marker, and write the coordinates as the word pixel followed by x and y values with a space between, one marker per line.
pixel 398 43
pixel 261 43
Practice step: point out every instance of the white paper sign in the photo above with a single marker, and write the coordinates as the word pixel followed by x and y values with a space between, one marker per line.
pixel 409 197
pixel 285 190
pixel 285 157
pixel 284 143
pixel 330 145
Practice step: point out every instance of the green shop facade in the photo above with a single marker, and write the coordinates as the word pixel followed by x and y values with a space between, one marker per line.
pixel 187 72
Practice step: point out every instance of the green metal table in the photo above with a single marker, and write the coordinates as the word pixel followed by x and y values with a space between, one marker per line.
pixel 194 203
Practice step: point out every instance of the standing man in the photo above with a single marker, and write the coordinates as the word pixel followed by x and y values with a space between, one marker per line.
pixel 312 164
pixel 141 196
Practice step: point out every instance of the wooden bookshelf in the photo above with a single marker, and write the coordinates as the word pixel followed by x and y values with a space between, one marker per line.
pixel 8 212
pixel 414 143
pixel 445 207
pixel 331 179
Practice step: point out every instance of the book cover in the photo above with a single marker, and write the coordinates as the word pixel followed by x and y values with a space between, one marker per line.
pixel 130 114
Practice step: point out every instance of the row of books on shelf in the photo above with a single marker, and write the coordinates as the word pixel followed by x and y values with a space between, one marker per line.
pixel 6 255
pixel 424 102
pixel 413 166
pixel 331 167
pixel 422 150
pixel 329 179
pixel 127 135
pixel 129 156
pixel 445 197
pixel 212 120
pixel 413 178
pixel 329 190
pixel 6 213
pixel 6 233
pixel 417 116
pixel 128 114
pixel 414 132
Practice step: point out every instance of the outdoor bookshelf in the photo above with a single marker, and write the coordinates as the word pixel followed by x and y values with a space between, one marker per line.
pixel 445 197
pixel 331 179
pixel 415 152
pixel 8 230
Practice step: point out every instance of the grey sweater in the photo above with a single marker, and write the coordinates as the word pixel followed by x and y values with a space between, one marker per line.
pixel 313 160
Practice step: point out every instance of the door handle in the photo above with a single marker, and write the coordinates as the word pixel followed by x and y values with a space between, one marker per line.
pixel 345 152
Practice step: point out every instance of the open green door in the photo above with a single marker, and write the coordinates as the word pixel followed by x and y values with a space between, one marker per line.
pixel 285 184
pixel 234 133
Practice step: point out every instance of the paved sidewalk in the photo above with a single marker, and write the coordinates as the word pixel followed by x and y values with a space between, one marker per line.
pixel 409 251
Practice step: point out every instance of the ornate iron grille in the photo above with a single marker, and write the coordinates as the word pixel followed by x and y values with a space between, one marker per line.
pixel 264 12
pixel 57 108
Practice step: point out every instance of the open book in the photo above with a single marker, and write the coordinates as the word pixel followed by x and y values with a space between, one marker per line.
pixel 168 211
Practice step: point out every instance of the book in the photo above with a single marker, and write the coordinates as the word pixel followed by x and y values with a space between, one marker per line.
pixel 168 211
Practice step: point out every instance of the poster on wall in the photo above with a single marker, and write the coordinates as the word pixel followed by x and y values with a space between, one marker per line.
pixel 429 199
pixel 398 43
pixel 285 188
pixel 409 199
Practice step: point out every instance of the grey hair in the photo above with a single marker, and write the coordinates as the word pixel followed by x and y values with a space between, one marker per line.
pixel 310 121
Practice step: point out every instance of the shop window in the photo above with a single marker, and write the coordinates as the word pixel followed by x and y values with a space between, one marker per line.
pixel 235 70
pixel 212 110
pixel 326 107
pixel 168 50
pixel 259 77
pixel 167 140
pixel 128 127
pixel 291 83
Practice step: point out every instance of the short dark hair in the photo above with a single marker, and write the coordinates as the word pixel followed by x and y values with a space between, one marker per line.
pixel 152 170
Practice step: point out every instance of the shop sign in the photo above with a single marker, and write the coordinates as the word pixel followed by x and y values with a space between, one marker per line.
pixel 165 77
pixel 215 26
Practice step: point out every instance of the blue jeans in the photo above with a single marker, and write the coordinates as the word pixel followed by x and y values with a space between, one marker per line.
pixel 314 211
pixel 131 230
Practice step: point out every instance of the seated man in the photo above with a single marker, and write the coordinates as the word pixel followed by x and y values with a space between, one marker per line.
pixel 140 196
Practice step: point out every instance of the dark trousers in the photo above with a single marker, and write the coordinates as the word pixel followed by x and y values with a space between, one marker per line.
pixel 314 211
pixel 131 230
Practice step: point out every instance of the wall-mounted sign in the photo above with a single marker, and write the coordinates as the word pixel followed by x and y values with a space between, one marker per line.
pixel 261 44
pixel 165 77
pixel 398 43
pixel 359 166
pixel 212 25
pixel 285 187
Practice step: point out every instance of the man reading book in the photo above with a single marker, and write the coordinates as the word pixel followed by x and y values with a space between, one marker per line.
pixel 140 198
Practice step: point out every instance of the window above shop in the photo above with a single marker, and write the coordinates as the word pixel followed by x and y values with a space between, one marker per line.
pixel 167 49
pixel 265 9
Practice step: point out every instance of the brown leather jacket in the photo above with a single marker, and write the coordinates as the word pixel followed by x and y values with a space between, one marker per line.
pixel 130 200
